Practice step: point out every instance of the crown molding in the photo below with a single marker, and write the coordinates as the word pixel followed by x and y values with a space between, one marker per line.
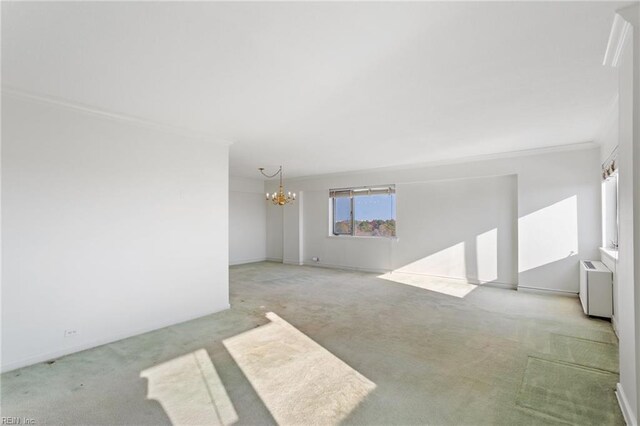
pixel 461 160
pixel 114 116
pixel 617 38
pixel 631 14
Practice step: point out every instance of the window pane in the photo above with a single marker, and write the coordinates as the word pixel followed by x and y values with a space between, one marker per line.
pixel 375 215
pixel 342 215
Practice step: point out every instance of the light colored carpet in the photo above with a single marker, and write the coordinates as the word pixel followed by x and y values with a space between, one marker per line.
pixel 304 345
pixel 575 394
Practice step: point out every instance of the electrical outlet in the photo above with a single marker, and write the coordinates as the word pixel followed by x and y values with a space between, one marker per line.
pixel 70 333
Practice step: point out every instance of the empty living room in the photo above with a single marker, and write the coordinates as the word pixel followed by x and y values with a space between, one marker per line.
pixel 320 213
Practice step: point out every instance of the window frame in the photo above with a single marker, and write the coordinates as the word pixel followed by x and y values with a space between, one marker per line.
pixel 376 189
pixel 333 221
pixel 611 211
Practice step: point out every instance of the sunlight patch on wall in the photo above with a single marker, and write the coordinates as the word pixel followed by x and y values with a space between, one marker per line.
pixel 452 287
pixel 449 262
pixel 190 391
pixel 296 378
pixel 487 255
pixel 548 235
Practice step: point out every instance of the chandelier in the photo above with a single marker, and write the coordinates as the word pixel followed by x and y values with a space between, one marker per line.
pixel 279 198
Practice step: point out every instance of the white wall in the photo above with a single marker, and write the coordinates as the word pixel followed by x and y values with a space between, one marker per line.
pixel 247 221
pixel 293 233
pixel 607 136
pixel 628 267
pixel 110 228
pixel 483 244
pixel 633 14
pixel 558 214
pixel 484 210
pixel 275 220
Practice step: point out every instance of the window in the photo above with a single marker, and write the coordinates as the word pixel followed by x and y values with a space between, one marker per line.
pixel 342 223
pixel 364 212
pixel 610 212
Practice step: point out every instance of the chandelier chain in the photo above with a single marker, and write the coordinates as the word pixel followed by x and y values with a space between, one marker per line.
pixel 270 176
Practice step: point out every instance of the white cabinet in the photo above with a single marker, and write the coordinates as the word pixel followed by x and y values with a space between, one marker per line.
pixel 596 289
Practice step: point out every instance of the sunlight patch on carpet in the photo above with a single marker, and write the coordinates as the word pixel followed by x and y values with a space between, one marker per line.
pixel 451 287
pixel 190 391
pixel 296 378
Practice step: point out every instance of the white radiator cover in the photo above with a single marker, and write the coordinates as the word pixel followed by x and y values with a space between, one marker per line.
pixel 596 289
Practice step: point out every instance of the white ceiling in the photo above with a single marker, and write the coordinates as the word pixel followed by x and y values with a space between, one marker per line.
pixel 327 87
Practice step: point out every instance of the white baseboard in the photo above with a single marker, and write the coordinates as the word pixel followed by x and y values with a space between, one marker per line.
pixel 345 267
pixel 35 359
pixel 292 262
pixel 614 325
pixel 541 290
pixel 496 284
pixel 386 271
pixel 274 259
pixel 243 261
pixel 625 407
